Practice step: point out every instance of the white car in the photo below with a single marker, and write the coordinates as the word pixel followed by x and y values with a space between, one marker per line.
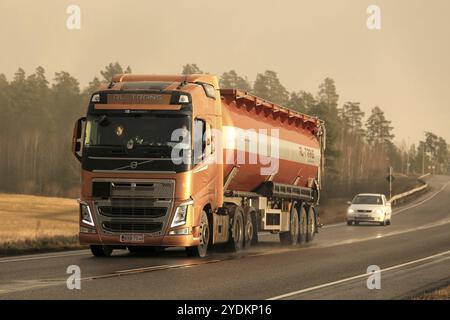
pixel 369 207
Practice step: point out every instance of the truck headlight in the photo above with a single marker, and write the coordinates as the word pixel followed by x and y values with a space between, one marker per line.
pixel 181 214
pixel 86 215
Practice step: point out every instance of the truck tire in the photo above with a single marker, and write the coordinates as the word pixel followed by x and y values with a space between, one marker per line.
pixel 101 251
pixel 202 248
pixel 250 229
pixel 236 240
pixel 311 224
pixel 290 238
pixel 303 228
pixel 254 217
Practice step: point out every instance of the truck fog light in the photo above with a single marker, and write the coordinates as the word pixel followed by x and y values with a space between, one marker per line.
pixel 85 212
pixel 184 231
pixel 87 230
pixel 181 214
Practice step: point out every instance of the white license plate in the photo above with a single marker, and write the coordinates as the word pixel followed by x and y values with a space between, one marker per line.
pixel 135 238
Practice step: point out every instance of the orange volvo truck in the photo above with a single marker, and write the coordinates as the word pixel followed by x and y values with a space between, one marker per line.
pixel 175 161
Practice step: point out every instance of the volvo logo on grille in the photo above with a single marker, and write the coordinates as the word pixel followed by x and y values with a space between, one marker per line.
pixel 133 185
pixel 133 165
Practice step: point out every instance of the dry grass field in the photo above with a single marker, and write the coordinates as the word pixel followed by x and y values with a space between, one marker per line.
pixel 37 222
pixel 439 294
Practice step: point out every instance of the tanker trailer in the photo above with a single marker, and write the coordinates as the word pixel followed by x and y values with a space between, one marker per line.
pixel 175 161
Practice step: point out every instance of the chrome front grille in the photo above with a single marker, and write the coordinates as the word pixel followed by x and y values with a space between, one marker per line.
pixel 119 227
pixel 132 212
pixel 142 206
pixel 152 189
pixel 365 218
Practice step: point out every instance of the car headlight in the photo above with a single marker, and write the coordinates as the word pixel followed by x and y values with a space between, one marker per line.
pixel 379 211
pixel 350 211
pixel 181 214
pixel 86 215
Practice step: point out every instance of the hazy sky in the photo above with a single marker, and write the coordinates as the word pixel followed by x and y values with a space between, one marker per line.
pixel 404 67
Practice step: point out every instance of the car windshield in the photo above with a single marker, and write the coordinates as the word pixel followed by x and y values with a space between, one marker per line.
pixel 138 131
pixel 362 199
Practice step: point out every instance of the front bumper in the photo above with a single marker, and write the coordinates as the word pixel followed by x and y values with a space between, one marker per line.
pixel 164 241
pixel 365 218
pixel 98 235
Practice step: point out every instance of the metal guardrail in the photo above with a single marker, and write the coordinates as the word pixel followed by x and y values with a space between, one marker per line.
pixel 407 193
pixel 425 175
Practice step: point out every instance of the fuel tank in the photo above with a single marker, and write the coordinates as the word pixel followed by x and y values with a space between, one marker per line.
pixel 266 142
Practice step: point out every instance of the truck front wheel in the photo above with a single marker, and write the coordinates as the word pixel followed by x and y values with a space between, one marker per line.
pixel 202 248
pixel 101 251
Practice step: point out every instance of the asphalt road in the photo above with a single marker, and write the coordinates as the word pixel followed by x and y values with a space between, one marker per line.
pixel 413 255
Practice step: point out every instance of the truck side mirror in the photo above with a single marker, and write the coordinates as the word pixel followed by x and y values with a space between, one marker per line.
pixel 77 139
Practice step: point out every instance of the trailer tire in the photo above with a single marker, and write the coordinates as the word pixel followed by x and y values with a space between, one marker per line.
pixel 311 227
pixel 236 239
pixel 303 222
pixel 201 249
pixel 291 237
pixel 101 251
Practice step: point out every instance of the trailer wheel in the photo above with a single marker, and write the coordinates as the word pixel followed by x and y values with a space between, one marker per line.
pixel 303 229
pixel 202 248
pixel 236 240
pixel 101 251
pixel 291 237
pixel 311 224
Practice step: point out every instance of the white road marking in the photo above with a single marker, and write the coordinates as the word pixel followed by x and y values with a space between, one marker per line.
pixel 25 285
pixel 364 275
pixel 389 234
pixel 47 256
pixel 423 201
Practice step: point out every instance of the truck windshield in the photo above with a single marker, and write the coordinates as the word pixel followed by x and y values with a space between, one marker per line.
pixel 367 200
pixel 133 132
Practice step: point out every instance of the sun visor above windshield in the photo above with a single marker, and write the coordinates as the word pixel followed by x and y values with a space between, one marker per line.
pixel 139 100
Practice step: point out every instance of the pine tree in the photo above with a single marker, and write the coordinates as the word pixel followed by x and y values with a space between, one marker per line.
pixel 111 70
pixel 191 69
pixel 301 101
pixel 268 86
pixel 379 130
pixel 232 80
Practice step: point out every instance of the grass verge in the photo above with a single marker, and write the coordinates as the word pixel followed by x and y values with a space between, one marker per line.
pixel 39 245
pixel 438 294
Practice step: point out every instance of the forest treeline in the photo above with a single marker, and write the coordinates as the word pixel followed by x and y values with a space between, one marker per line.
pixel 37 116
